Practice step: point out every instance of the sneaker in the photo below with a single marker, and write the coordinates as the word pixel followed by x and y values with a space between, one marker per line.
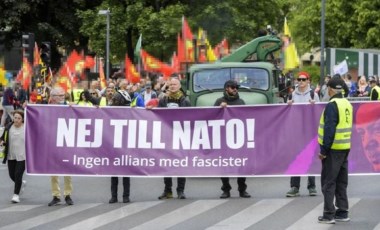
pixel 324 220
pixel 68 200
pixel 55 201
pixel 225 195
pixel 181 195
pixel 126 199
pixel 166 195
pixel 342 219
pixel 113 200
pixel 244 194
pixel 293 192
pixel 23 185
pixel 15 198
pixel 312 192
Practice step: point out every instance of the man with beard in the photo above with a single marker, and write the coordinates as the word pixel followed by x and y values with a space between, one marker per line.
pixel 231 97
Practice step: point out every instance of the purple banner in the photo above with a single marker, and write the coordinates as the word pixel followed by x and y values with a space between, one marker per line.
pixel 234 141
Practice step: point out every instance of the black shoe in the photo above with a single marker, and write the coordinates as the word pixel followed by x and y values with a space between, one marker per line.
pixel 68 200
pixel 324 220
pixel 166 195
pixel 113 200
pixel 181 195
pixel 126 199
pixel 244 194
pixel 342 219
pixel 225 195
pixel 55 201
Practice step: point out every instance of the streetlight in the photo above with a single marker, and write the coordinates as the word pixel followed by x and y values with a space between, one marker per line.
pixel 107 13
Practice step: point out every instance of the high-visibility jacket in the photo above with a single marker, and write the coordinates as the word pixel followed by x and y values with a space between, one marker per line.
pixel 85 103
pixel 342 138
pixel 103 101
pixel 377 89
pixel 76 95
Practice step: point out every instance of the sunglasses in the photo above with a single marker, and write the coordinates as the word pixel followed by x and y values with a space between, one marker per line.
pixel 301 79
pixel 234 87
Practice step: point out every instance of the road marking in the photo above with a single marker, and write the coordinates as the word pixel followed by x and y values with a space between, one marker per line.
pixel 251 215
pixel 181 214
pixel 19 208
pixel 310 220
pixel 114 215
pixel 49 217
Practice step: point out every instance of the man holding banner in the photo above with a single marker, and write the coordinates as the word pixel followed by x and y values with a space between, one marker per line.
pixel 231 97
pixel 334 137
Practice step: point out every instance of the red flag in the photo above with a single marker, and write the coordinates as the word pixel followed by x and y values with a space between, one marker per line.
pixel 66 79
pixel 187 40
pixel 103 82
pixel 36 54
pixel 175 63
pixel 89 62
pixel 27 73
pixel 75 62
pixel 153 64
pixel 180 49
pixel 130 71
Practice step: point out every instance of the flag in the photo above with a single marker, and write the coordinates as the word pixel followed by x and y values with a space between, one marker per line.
pixel 209 54
pixel 75 62
pixel 221 49
pixel 138 47
pixel 341 68
pixel 130 71
pixel 103 82
pixel 180 49
pixel 187 36
pixel 36 53
pixel 3 79
pixel 175 63
pixel 290 52
pixel 65 78
pixel 152 64
pixel 27 73
pixel 89 62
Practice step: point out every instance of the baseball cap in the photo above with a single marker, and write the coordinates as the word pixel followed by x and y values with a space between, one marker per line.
pixel 336 83
pixel 231 83
pixel 372 79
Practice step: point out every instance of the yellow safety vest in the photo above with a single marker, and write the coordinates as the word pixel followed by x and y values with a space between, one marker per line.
pixel 103 101
pixel 85 103
pixel 377 88
pixel 76 95
pixel 342 139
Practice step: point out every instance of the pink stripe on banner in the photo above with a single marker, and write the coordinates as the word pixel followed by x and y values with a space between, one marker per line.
pixel 304 159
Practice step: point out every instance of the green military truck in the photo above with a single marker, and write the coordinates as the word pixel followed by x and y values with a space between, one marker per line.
pixel 251 66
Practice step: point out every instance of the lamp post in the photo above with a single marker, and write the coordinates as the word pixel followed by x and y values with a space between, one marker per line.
pixel 107 13
pixel 322 63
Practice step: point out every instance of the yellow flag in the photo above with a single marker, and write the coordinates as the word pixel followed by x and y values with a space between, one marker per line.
pixel 202 38
pixel 290 52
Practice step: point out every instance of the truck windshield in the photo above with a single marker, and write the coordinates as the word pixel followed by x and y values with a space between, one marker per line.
pixel 253 78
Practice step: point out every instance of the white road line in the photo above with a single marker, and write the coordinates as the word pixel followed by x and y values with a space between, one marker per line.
pixel 114 215
pixel 310 220
pixel 179 215
pixel 19 208
pixel 251 215
pixel 49 217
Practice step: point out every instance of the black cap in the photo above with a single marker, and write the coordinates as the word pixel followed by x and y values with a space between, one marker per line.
pixel 336 83
pixel 372 79
pixel 231 83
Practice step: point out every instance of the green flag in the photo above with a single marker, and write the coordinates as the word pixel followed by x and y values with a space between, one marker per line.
pixel 138 48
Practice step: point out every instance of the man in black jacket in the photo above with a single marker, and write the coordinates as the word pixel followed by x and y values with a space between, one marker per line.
pixel 231 97
pixel 174 98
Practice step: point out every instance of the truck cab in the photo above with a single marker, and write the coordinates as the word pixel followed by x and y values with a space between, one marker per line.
pixel 250 66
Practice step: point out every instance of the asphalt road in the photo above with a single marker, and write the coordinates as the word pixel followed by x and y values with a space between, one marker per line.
pixel 267 209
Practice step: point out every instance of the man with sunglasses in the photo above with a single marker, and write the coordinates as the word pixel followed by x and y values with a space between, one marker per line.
pixel 231 97
pixel 302 94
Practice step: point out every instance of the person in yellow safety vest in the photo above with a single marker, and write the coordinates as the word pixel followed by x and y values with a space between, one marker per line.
pixel 76 95
pixel 334 138
pixel 375 89
pixel 84 99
